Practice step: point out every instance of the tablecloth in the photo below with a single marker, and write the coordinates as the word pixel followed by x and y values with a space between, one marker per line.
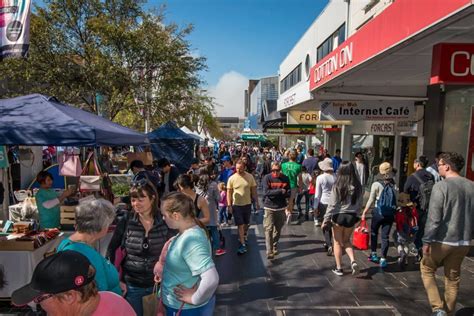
pixel 18 266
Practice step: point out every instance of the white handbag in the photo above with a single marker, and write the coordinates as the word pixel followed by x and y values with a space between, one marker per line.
pixel 90 183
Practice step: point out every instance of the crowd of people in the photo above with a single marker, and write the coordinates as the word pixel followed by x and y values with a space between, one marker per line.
pixel 173 232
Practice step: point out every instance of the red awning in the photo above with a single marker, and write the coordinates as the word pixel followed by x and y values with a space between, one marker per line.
pixel 394 49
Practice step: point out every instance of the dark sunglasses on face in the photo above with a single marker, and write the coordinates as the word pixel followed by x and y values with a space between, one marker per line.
pixel 275 170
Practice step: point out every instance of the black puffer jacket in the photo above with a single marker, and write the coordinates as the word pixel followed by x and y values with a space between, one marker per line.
pixel 139 263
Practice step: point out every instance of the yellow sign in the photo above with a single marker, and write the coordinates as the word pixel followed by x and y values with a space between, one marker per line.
pixel 303 117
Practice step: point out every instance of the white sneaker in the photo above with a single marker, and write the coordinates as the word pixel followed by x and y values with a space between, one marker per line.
pixel 355 268
pixel 317 223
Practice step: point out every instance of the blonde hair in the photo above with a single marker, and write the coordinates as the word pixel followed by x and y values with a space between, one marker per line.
pixel 221 186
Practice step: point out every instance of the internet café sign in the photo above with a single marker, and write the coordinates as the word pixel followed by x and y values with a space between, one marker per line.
pixel 368 110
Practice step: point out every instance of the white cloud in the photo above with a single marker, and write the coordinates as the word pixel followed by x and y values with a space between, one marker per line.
pixel 229 94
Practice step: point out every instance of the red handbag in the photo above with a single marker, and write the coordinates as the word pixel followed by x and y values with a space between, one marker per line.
pixel 361 237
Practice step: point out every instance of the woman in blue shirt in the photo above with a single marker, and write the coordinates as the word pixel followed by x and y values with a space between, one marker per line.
pixel 48 201
pixel 93 219
pixel 190 278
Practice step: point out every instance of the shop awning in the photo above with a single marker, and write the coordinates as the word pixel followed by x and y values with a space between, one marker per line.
pixel 390 56
pixel 40 120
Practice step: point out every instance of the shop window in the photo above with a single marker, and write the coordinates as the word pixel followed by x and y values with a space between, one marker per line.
pixel 457 119
pixel 291 79
pixel 375 150
pixel 331 43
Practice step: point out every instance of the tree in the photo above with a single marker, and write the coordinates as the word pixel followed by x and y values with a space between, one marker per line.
pixel 114 58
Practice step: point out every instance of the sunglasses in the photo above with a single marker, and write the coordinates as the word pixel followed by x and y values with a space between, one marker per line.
pixel 139 183
pixel 275 170
pixel 42 298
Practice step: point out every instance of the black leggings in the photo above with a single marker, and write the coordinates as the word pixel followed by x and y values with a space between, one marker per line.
pixel 386 224
pixel 327 232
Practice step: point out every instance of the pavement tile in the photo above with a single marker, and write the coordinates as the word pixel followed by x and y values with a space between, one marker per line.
pixel 301 276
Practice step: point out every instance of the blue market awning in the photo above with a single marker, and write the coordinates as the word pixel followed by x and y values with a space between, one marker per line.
pixel 40 120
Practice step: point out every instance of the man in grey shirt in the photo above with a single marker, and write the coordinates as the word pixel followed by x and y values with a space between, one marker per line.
pixel 448 232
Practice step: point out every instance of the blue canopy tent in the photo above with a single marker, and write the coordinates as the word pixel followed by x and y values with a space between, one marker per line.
pixel 40 120
pixel 170 142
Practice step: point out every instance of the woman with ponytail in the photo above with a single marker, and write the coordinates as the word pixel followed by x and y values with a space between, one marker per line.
pixel 189 278
pixel 185 184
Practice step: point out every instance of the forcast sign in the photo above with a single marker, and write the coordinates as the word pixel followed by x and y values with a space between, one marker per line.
pixel 303 117
pixel 368 110
pixel 453 63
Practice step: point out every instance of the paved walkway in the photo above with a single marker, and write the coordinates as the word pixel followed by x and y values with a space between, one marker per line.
pixel 300 281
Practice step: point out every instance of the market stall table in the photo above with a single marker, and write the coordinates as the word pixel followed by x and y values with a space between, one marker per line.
pixel 18 266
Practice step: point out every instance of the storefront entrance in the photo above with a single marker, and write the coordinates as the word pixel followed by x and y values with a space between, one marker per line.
pixel 375 149
pixel 407 157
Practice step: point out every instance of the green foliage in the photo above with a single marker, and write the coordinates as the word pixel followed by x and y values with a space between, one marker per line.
pixel 83 51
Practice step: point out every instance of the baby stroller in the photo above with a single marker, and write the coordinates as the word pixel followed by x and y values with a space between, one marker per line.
pixel 406 220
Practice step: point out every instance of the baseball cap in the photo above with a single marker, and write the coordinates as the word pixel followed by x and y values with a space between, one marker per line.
pixel 195 161
pixel 61 272
pixel 226 158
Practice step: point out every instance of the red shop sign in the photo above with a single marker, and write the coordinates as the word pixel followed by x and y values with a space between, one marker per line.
pixel 453 63
pixel 397 23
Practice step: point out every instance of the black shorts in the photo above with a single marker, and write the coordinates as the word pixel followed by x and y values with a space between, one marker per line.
pixel 242 214
pixel 347 220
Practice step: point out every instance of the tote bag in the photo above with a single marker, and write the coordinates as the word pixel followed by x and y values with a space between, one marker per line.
pixel 360 240
pixel 69 164
pixel 90 183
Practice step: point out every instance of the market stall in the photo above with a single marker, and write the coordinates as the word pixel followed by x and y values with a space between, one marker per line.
pixel 38 120
pixel 170 142
pixel 18 265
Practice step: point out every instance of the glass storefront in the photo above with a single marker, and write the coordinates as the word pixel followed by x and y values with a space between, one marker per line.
pixel 375 149
pixel 457 121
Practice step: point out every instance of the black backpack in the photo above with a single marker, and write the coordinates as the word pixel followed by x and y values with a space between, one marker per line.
pixel 424 193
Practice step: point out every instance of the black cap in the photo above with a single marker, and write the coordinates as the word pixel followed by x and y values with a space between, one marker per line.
pixel 195 161
pixel 59 273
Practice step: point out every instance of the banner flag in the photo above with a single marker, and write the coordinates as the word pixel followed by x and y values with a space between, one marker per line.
pixel 14 28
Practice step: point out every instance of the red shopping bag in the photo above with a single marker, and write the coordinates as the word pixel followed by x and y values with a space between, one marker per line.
pixel 360 240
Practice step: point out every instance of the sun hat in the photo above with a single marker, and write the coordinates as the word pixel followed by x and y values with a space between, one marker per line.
pixel 59 273
pixel 326 165
pixel 386 170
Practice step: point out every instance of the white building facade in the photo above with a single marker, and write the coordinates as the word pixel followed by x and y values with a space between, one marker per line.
pixel 419 64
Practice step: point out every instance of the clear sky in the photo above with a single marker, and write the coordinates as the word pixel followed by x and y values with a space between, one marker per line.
pixel 241 39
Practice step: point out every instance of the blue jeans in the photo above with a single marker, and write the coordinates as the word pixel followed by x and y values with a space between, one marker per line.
pixel 134 297
pixel 214 234
pixel 307 198
pixel 205 310
pixel 222 214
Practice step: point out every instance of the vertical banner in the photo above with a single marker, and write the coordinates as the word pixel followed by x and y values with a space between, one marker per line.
pixel 3 158
pixel 14 28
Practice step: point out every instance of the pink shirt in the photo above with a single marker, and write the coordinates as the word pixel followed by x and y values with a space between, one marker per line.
pixel 113 305
pixel 223 199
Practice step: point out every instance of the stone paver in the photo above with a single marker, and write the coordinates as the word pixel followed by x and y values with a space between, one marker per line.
pixel 300 281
